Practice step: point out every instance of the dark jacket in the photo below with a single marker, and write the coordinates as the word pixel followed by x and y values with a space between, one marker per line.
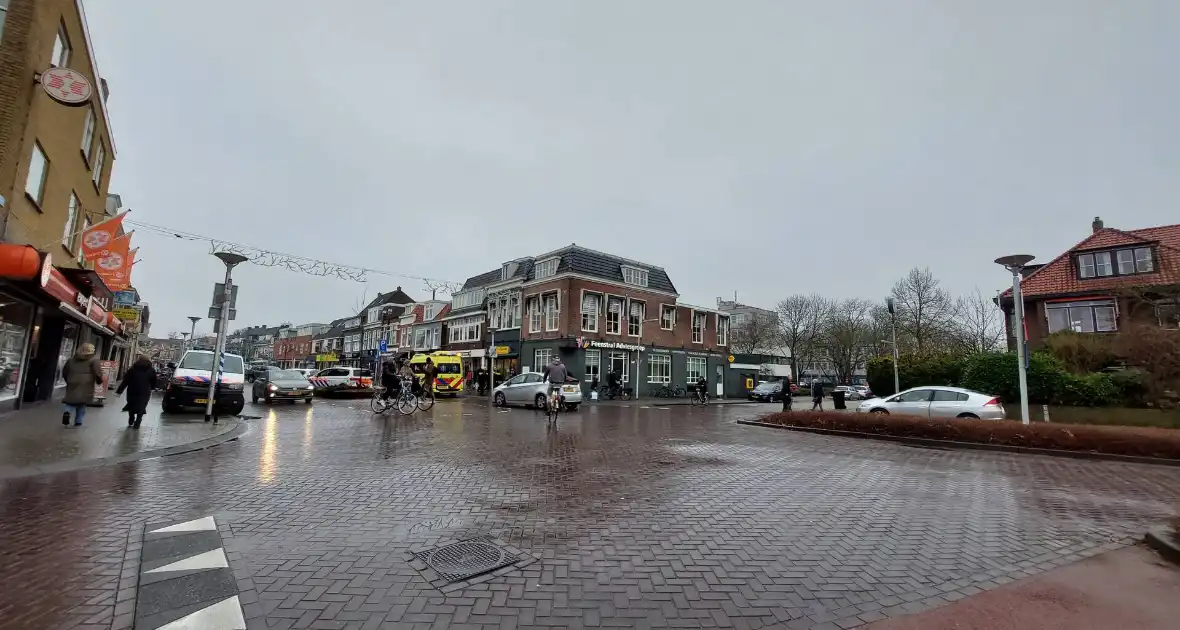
pixel 81 373
pixel 139 381
pixel 817 391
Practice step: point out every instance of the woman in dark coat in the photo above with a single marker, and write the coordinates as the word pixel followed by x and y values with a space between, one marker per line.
pixel 139 381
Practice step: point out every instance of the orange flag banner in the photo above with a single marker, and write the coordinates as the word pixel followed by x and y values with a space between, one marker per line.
pixel 97 239
pixel 114 267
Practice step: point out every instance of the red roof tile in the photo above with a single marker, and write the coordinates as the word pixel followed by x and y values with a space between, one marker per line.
pixel 1059 276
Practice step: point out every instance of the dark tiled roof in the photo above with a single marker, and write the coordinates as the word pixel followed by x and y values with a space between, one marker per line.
pixel 396 296
pixel 1058 276
pixel 597 264
pixel 482 279
pixel 331 333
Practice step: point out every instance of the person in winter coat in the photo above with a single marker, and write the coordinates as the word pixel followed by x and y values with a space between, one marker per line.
pixel 139 381
pixel 80 373
pixel 817 396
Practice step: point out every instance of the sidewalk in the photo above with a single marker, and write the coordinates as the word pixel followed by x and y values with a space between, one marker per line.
pixel 33 441
pixel 667 402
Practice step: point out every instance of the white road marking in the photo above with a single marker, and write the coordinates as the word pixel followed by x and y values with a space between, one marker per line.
pixel 209 560
pixel 205 524
pixel 224 615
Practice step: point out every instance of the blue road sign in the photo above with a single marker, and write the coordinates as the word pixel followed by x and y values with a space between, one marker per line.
pixel 383 346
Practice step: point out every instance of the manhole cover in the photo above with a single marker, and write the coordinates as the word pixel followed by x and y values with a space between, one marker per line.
pixel 467 558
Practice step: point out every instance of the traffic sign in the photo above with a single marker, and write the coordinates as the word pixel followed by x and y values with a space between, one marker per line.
pixel 383 346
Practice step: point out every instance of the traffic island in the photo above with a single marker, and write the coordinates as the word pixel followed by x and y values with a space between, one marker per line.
pixel 1119 443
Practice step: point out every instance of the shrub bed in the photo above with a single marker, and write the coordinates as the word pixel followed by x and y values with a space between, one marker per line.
pixel 1110 440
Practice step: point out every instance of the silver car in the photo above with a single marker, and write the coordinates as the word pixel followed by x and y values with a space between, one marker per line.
pixel 530 389
pixel 937 402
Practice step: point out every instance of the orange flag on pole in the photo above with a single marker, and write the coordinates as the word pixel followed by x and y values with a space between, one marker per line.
pixel 114 267
pixel 96 239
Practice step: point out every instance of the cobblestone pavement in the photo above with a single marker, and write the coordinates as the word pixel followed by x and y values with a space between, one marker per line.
pixel 34 440
pixel 636 518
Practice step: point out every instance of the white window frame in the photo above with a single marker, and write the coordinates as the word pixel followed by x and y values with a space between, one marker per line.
pixel 636 321
pixel 666 322
pixel 69 236
pixel 100 157
pixel 618 315
pixel 428 312
pixel 88 134
pixel 590 316
pixel 539 363
pixel 659 368
pixel 545 268
pixel 375 314
pixel 36 191
pixel 722 330
pixel 534 313
pixel 513 310
pixel 552 309
pixel 692 375
pixel 698 327
pixel 625 375
pixel 60 57
pixel 593 360
pixel 634 276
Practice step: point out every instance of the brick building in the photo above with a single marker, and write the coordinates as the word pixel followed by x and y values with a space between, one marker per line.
pixel 466 322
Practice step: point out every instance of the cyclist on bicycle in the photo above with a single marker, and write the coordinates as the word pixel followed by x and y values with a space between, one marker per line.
pixel 389 379
pixel 702 386
pixel 555 375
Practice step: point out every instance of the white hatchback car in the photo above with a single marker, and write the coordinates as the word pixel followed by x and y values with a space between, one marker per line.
pixel 937 402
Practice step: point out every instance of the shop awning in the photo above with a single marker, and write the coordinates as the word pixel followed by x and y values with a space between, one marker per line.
pixel 76 314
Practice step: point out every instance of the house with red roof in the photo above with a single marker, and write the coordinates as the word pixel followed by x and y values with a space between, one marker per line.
pixel 1109 280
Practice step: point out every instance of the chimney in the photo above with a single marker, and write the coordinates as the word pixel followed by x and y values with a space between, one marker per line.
pixel 1097 224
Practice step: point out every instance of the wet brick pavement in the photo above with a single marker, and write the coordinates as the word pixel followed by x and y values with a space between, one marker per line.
pixel 637 518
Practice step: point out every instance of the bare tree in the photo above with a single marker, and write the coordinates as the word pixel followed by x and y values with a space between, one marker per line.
pixel 173 335
pixel 800 321
pixel 978 325
pixel 758 333
pixel 359 304
pixel 846 336
pixel 924 311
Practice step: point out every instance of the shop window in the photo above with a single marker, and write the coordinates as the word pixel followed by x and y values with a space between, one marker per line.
pixel 659 368
pixel 697 367
pixel 620 364
pixel 593 366
pixel 15 318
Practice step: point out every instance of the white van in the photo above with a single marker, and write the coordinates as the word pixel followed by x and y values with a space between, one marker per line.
pixel 190 383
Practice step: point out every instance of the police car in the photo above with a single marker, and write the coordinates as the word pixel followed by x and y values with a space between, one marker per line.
pixel 189 386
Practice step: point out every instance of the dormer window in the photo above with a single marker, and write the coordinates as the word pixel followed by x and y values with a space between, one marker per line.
pixel 428 313
pixel 1120 262
pixel 546 268
pixel 635 276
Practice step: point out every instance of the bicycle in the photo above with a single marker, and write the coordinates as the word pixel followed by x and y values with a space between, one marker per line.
pixel 426 399
pixel 405 401
pixel 699 397
pixel 554 403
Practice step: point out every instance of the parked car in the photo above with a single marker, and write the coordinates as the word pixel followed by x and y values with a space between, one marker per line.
pixel 343 380
pixel 189 385
pixel 530 389
pixel 865 392
pixel 937 402
pixel 306 372
pixel 279 384
pixel 850 392
pixel 770 391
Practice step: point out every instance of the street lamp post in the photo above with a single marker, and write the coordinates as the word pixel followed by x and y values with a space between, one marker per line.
pixel 184 341
pixel 193 332
pixel 491 363
pixel 1015 264
pixel 231 260
pixel 893 327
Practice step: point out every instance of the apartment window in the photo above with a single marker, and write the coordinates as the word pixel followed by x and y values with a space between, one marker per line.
pixel 38 173
pixel 420 339
pixel 1168 313
pixel 635 319
pixel 100 156
pixel 542 357
pixel 698 328
pixel 722 330
pixel 466 299
pixel 696 368
pixel 667 317
pixel 614 316
pixel 659 368
pixel 68 235
pixel 374 314
pixel 545 268
pixel 1085 316
pixel 88 133
pixel 534 314
pixel 1122 262
pixel 590 303
pixel 428 312
pixel 551 312
pixel 632 275
pixel 61 48
pixel 514 312
pixel 593 366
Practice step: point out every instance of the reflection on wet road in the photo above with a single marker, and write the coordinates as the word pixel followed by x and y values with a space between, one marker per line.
pixel 653 517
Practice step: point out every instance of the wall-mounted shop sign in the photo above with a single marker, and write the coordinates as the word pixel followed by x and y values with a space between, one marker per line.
pixel 613 345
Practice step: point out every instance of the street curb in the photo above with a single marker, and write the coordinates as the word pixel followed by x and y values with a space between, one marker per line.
pixel 1003 448
pixel 221 438
pixel 1164 543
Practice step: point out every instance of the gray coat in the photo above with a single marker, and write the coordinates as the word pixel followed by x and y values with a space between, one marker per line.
pixel 81 374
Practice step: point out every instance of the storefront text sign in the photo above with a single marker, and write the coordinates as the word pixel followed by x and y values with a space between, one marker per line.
pixel 127 314
pixel 502 350
pixel 83 302
pixel 615 345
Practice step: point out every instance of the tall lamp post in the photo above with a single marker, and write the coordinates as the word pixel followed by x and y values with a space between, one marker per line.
pixel 231 260
pixel 893 327
pixel 492 363
pixel 193 332
pixel 1015 264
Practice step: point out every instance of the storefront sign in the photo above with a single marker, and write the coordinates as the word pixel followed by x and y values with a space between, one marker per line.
pixel 60 288
pixel 503 350
pixel 96 313
pixel 66 86
pixel 614 345
pixel 126 314
pixel 82 301
pixel 731 358
pixel 326 358
pixel 125 298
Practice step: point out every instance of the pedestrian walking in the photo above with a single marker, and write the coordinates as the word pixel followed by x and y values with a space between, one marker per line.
pixel 139 381
pixel 788 398
pixel 429 373
pixel 80 373
pixel 817 396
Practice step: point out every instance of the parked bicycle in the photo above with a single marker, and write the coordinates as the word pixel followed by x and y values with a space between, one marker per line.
pixel 668 392
pixel 618 392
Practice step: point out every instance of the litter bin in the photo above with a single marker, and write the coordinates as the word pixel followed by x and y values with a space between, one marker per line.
pixel 838 399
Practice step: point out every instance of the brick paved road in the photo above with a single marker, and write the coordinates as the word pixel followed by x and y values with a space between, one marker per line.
pixel 639 518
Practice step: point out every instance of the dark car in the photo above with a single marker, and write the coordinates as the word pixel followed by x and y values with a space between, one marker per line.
pixel 767 392
pixel 279 384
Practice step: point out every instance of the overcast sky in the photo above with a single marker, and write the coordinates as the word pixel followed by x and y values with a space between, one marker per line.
pixel 765 147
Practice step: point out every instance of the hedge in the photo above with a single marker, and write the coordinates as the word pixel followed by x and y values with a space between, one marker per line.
pixel 1111 440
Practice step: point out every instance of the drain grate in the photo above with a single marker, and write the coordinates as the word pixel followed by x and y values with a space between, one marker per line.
pixel 466 559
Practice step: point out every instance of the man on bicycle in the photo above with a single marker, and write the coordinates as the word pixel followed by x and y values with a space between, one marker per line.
pixel 389 379
pixel 555 375
pixel 429 372
pixel 702 388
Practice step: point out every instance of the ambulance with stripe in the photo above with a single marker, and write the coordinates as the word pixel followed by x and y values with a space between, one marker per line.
pixel 189 386
pixel 449 380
